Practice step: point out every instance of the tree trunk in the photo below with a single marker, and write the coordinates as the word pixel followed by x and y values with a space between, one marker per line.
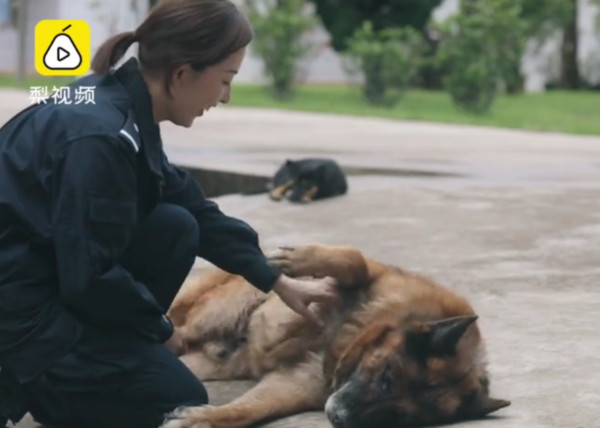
pixel 569 76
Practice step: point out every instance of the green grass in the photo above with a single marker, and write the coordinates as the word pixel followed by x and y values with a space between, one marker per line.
pixel 575 112
pixel 10 81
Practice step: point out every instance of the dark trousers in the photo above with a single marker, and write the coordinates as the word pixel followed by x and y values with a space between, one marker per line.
pixel 107 381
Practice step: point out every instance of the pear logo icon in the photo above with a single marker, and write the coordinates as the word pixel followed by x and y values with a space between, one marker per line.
pixel 62 54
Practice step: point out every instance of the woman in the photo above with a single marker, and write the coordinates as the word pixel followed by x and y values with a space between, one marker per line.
pixel 98 230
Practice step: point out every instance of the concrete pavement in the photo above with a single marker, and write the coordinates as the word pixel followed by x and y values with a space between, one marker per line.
pixel 510 219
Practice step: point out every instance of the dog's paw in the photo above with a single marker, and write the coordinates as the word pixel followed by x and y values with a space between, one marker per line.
pixel 295 261
pixel 188 417
pixel 277 193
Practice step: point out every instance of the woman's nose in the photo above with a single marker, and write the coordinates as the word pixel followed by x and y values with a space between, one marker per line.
pixel 226 96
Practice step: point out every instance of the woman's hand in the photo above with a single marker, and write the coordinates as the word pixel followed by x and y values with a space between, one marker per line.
pixel 299 294
pixel 176 343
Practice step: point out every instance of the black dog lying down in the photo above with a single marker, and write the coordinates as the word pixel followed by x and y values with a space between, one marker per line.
pixel 306 180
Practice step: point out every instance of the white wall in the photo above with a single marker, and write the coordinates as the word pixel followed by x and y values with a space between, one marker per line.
pixel 38 10
pixel 589 40
pixel 108 17
pixel 105 17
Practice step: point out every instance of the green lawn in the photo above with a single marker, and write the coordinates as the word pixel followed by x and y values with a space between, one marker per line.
pixel 34 80
pixel 560 111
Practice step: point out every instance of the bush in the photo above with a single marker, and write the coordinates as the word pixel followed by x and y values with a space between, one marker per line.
pixel 279 27
pixel 481 47
pixel 388 59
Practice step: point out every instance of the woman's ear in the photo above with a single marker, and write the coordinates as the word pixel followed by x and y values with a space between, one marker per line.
pixel 181 77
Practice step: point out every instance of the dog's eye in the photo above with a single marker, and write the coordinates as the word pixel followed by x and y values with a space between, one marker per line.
pixel 385 384
pixel 222 353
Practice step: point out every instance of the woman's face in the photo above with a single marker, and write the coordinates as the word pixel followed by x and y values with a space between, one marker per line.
pixel 193 93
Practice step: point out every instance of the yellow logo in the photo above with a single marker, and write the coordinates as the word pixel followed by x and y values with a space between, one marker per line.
pixel 62 47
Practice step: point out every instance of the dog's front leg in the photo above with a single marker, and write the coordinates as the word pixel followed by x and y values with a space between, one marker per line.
pixel 346 264
pixel 280 393
pixel 278 193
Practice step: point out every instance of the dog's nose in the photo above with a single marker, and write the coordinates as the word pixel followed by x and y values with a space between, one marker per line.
pixel 338 418
pixel 336 412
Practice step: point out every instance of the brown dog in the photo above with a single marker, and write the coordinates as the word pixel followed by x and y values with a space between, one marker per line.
pixel 397 350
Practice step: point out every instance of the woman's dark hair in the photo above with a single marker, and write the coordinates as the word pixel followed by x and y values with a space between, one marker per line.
pixel 201 33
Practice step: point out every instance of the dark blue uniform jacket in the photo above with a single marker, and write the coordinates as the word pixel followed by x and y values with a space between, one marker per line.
pixel 75 180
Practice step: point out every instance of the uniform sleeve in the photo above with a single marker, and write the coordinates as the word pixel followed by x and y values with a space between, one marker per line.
pixel 94 215
pixel 227 242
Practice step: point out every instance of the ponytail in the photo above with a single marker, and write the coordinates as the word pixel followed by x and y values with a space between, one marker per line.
pixel 111 51
pixel 201 33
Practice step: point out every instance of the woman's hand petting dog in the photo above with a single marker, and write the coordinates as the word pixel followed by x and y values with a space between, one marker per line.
pixel 298 294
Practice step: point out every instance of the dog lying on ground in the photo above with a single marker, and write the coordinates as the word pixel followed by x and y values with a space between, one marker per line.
pixel 307 180
pixel 397 349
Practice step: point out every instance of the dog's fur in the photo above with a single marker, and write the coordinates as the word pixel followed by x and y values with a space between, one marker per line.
pixel 307 180
pixel 397 349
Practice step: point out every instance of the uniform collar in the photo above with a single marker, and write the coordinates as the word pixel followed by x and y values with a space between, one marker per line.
pixel 131 78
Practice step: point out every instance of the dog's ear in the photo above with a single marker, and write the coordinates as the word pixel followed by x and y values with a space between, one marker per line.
pixel 292 166
pixel 481 405
pixel 438 337
pixel 446 333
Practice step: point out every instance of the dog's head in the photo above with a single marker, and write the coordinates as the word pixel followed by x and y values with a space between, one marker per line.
pixel 422 374
pixel 297 181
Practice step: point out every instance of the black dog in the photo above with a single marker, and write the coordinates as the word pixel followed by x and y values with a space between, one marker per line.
pixel 306 180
